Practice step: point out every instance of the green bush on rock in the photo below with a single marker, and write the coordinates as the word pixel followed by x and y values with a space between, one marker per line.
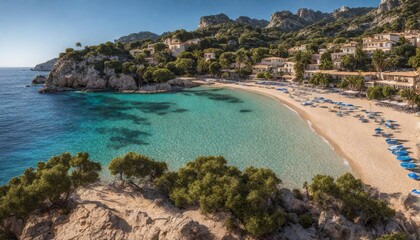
pixel 53 181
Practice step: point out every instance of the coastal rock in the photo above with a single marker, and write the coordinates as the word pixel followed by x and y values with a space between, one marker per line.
pixel 296 232
pixel 40 79
pixel 120 214
pixel 46 66
pixel 290 203
pixel 122 82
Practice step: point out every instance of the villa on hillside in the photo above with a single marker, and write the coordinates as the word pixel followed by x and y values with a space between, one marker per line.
pixel 151 48
pixel 134 52
pixel 385 41
pixel 209 56
pixel 297 49
pixel 261 67
pixel 176 47
pixel 274 62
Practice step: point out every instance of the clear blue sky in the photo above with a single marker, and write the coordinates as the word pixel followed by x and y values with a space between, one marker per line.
pixel 33 31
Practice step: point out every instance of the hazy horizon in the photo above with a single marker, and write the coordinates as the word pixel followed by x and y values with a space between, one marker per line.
pixel 34 31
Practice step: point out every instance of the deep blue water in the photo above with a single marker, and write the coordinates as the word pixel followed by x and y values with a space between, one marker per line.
pixel 246 128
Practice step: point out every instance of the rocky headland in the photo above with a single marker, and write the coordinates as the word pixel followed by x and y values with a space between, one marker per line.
pixel 91 74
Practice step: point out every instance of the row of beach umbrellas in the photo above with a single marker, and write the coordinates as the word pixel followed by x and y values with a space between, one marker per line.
pixel 403 156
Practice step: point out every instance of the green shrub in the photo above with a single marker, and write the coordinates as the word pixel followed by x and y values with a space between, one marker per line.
pixel 394 236
pixel 306 220
pixel 297 194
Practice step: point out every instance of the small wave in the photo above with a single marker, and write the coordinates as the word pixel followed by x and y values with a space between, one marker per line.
pixel 325 140
pixel 346 162
pixel 310 126
pixel 291 109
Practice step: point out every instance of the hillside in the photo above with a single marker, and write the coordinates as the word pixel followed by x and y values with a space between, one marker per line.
pixel 137 37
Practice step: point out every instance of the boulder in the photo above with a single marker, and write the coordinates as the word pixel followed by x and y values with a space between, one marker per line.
pixel 40 79
pixel 290 203
pixel 122 82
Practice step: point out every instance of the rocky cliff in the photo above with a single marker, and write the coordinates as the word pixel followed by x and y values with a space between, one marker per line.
pixel 91 74
pixel 287 21
pixel 210 20
pixel 46 66
pixel 118 211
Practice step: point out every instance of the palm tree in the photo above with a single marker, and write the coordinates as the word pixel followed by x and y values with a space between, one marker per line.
pixel 410 95
pixel 379 60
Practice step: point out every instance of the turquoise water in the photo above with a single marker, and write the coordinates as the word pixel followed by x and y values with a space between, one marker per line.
pixel 246 128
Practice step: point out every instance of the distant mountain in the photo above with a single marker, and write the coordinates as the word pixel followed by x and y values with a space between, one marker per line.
pixel 211 20
pixel 287 21
pixel 255 23
pixel 46 66
pixel 137 37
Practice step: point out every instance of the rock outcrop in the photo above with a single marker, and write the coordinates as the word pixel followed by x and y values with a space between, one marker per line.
pixel 387 5
pixel 40 79
pixel 287 21
pixel 221 18
pixel 111 212
pixel 255 23
pixel 69 75
pixel 46 66
pixel 210 20
pixel 118 211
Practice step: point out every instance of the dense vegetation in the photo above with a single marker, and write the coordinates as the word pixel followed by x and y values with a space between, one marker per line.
pixel 251 197
pixel 49 185
pixel 350 197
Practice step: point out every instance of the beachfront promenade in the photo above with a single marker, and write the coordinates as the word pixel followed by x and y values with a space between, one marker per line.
pixel 353 138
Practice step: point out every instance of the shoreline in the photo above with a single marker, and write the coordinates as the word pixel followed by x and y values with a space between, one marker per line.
pixel 307 118
pixel 376 166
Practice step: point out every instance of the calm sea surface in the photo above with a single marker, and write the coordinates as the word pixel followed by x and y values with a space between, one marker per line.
pixel 246 128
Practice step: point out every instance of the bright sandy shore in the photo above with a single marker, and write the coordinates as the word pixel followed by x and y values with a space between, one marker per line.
pixel 367 155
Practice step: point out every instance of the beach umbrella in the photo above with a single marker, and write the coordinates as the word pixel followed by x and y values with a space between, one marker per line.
pixel 400 153
pixel 414 176
pixel 396 147
pixel 393 142
pixel 408 165
pixel 415 191
pixel 403 158
pixel 378 129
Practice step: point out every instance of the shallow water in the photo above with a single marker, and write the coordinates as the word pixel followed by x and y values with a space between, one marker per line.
pixel 246 128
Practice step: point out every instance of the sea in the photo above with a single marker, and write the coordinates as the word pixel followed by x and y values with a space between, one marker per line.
pixel 247 129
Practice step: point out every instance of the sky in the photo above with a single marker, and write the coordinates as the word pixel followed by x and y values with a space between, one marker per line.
pixel 34 31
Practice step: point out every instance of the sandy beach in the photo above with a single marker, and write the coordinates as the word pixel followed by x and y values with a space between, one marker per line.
pixel 353 140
